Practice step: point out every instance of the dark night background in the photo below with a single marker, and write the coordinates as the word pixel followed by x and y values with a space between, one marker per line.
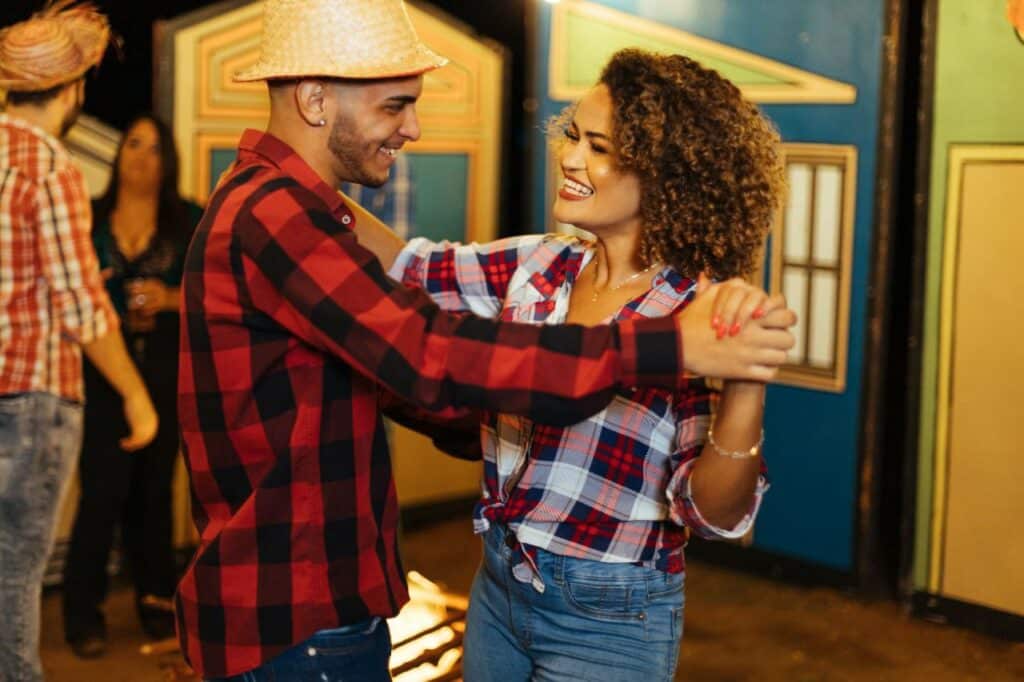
pixel 123 87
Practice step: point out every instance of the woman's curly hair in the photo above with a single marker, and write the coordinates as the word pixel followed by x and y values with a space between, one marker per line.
pixel 708 162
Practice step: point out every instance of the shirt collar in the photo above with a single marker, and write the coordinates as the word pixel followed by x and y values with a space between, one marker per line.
pixel 672 282
pixel 45 137
pixel 280 154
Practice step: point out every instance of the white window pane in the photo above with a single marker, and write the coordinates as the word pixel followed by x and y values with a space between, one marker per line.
pixel 821 351
pixel 798 214
pixel 794 286
pixel 828 203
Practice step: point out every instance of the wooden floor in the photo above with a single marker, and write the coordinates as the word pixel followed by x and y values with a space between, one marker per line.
pixel 738 629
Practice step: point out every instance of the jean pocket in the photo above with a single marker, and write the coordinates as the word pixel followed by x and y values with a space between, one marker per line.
pixel 605 591
pixel 347 640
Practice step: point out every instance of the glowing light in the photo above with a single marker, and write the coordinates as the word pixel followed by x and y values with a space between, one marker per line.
pixel 428 608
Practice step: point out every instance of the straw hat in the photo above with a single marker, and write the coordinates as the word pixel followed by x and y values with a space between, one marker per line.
pixel 1015 13
pixel 339 39
pixel 54 46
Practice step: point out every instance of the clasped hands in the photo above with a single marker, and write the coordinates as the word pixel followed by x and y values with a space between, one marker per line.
pixel 734 330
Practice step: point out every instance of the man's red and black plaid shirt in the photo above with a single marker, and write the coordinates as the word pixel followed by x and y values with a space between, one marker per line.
pixel 289 329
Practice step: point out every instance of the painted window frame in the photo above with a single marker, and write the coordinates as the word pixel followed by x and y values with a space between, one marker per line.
pixel 805 375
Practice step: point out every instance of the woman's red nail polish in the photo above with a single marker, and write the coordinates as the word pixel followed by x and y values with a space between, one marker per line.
pixel 735 329
pixel 716 321
pixel 758 314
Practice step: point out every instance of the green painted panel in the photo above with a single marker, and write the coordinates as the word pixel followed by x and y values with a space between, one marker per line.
pixel 220 159
pixel 978 100
pixel 591 43
pixel 439 202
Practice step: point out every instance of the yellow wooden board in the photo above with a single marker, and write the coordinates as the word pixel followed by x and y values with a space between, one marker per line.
pixel 977 547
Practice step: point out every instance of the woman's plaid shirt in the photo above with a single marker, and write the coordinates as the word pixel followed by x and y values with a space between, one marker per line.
pixel 52 298
pixel 288 325
pixel 614 487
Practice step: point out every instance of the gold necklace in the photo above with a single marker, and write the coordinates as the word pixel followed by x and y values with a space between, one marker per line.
pixel 620 284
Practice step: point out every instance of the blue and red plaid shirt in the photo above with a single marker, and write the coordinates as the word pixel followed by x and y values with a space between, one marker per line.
pixel 288 325
pixel 614 487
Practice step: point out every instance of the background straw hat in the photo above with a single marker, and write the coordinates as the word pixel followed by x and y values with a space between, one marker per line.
pixel 55 46
pixel 339 39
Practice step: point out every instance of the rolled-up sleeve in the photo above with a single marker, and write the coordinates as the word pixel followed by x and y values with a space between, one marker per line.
pixel 68 258
pixel 685 511
pixel 693 417
pixel 464 277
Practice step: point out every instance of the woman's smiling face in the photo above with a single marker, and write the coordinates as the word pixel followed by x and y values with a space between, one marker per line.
pixel 596 194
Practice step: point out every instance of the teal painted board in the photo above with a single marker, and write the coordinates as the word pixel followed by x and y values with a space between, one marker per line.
pixel 440 182
pixel 220 160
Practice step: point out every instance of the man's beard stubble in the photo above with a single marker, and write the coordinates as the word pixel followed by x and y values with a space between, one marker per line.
pixel 348 153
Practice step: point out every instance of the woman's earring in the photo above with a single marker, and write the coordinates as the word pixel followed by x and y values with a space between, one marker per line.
pixel 321 122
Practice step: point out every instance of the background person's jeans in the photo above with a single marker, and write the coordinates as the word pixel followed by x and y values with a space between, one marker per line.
pixel 354 653
pixel 593 621
pixel 40 437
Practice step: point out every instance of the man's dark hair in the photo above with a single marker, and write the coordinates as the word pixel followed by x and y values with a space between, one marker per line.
pixel 38 98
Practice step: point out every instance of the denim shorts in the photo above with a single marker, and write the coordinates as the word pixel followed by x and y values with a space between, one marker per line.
pixel 592 620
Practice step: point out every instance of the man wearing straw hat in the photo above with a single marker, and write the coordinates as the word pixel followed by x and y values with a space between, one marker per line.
pixel 290 328
pixel 52 307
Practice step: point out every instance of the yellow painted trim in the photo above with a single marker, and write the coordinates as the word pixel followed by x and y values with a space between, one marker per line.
pixel 222 55
pixel 187 70
pixel 846 156
pixel 959 156
pixel 802 87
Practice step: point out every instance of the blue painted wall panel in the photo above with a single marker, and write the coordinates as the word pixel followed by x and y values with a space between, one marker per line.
pixel 812 437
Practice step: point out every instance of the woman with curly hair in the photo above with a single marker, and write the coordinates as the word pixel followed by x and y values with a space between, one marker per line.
pixel 677 177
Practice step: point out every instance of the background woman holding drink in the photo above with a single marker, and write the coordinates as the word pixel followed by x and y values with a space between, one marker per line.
pixel 141 229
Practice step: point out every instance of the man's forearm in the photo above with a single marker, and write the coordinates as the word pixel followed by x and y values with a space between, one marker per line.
pixel 110 356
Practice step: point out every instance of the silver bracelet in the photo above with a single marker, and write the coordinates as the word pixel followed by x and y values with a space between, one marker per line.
pixel 735 454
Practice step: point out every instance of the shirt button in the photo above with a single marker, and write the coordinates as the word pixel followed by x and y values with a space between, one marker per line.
pixel 311 651
pixel 346 219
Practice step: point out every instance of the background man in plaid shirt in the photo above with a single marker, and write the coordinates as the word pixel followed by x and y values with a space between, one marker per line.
pixel 289 329
pixel 52 306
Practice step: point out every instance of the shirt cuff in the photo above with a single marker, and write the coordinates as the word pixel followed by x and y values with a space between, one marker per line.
pixel 417 247
pixel 683 509
pixel 103 320
pixel 651 352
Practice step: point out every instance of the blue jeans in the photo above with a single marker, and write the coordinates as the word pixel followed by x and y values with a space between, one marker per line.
pixel 354 653
pixel 592 621
pixel 40 437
